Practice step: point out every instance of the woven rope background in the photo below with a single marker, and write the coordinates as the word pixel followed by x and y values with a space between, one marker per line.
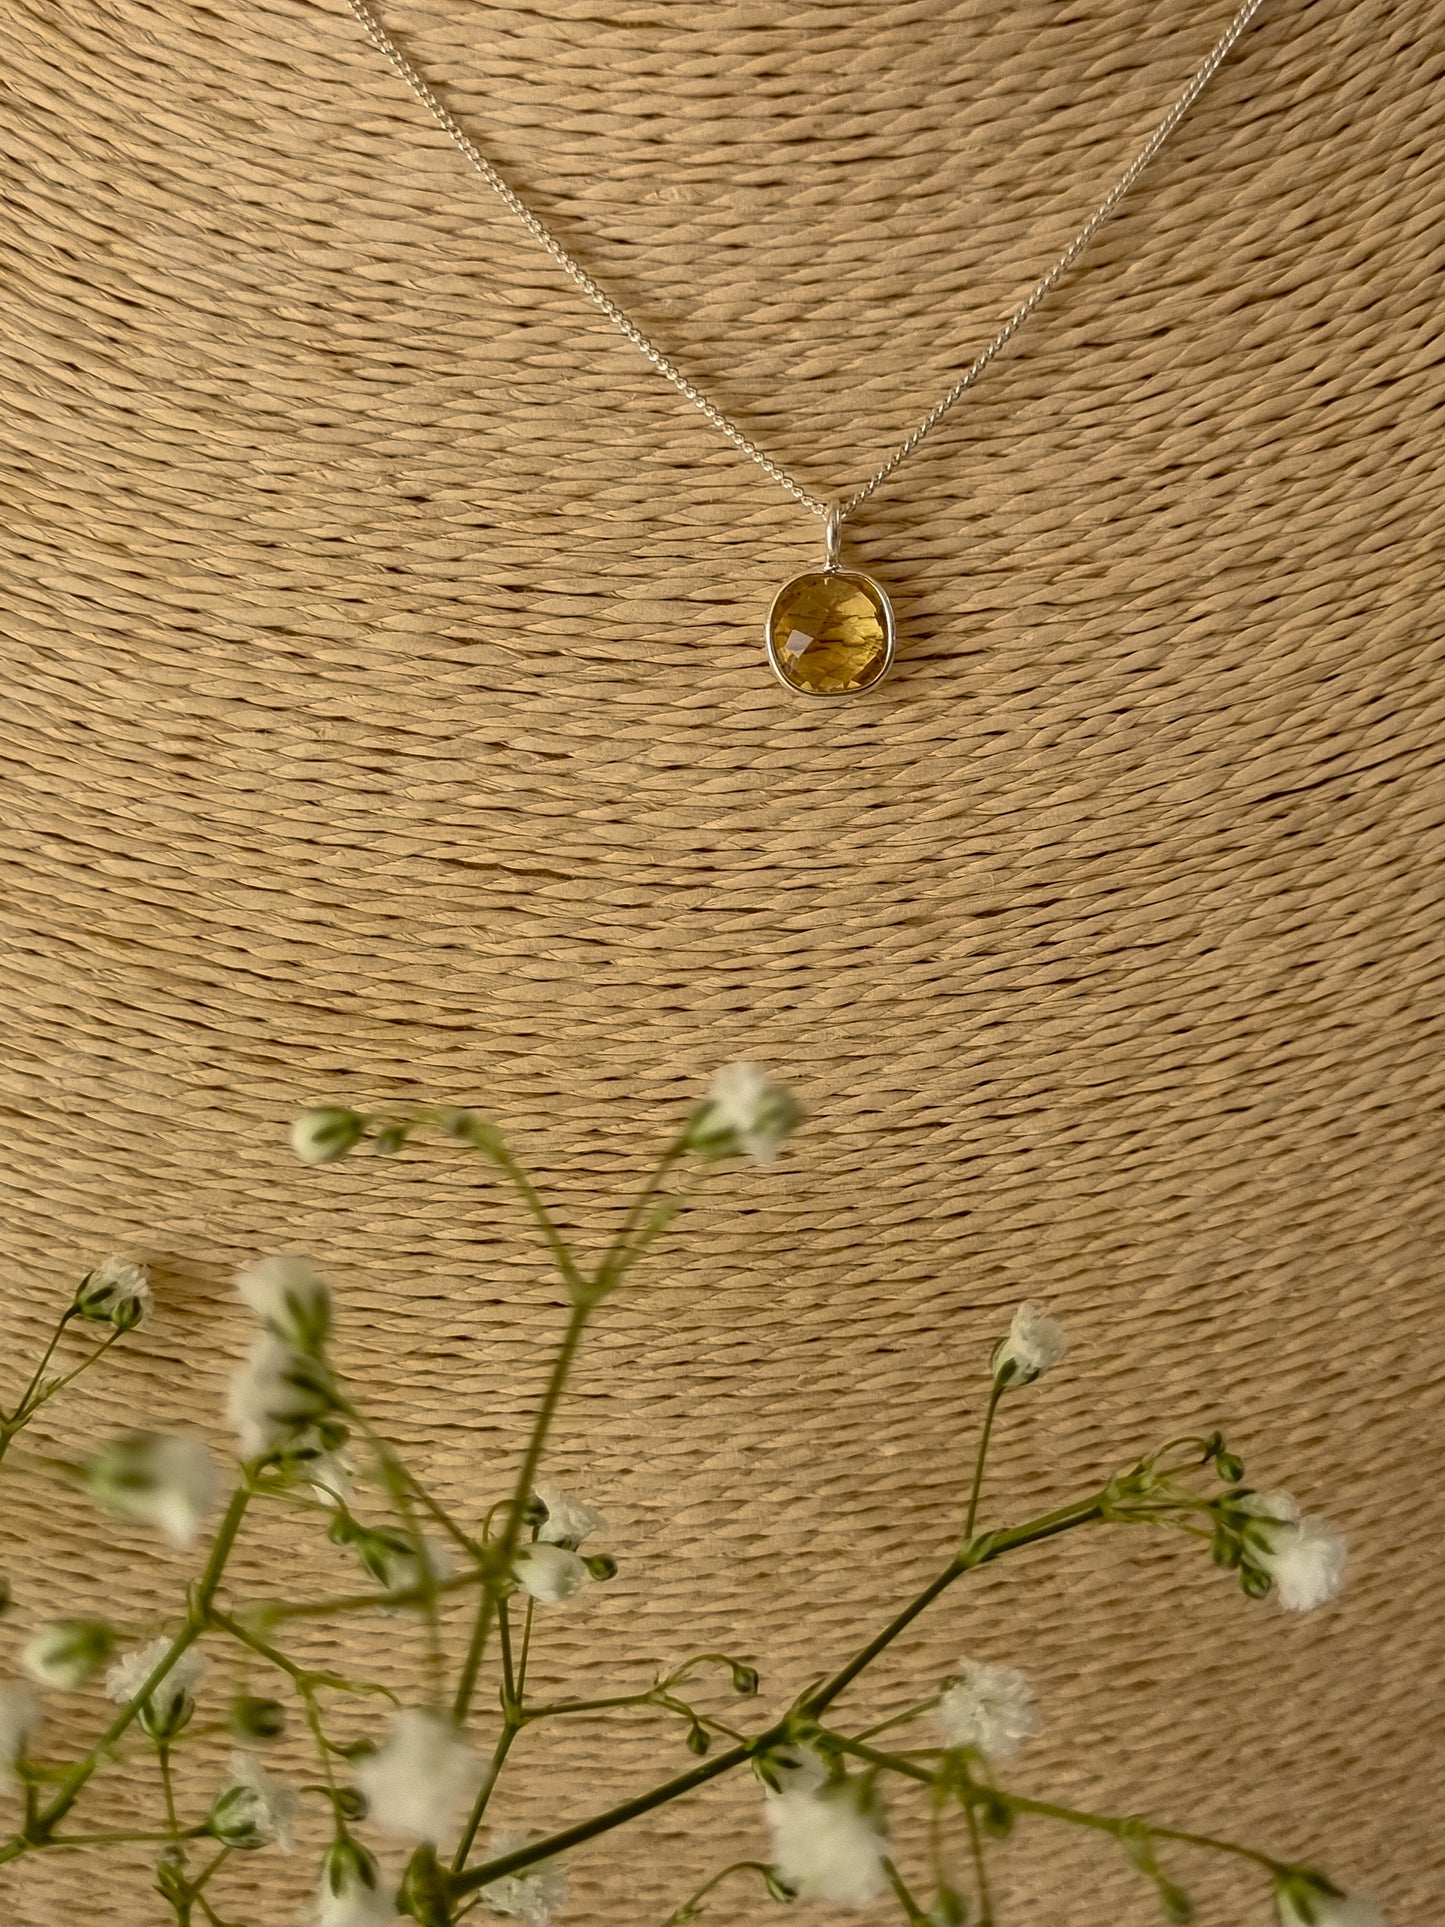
pixel 386 718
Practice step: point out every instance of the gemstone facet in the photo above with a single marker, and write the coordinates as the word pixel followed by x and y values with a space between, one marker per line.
pixel 830 633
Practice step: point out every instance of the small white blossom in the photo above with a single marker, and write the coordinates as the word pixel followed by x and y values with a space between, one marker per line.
pixel 418 1782
pixel 827 1836
pixel 116 1293
pixel 535 1896
pixel 168 1707
pixel 548 1573
pixel 1327 1910
pixel 1035 1342
pixel 274 1394
pixel 168 1482
pixel 743 1113
pixel 988 1707
pixel 351 1893
pixel 20 1715
pixel 1303 1556
pixel 67 1652
pixel 326 1132
pixel 568 1521
pixel 291 1298
pixel 254 1810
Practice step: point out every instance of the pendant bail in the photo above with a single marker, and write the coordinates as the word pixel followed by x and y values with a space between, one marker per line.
pixel 832 537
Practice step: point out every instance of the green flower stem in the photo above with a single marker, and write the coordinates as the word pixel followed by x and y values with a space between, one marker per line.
pixel 115 1839
pixel 690 1907
pixel 68 1378
pixel 978 1552
pixel 205 1591
pixel 163 1757
pixel 526 1652
pixel 488 1140
pixel 618 1256
pixel 587 1706
pixel 23 1412
pixel 1120 1827
pixel 980 1866
pixel 995 1394
pixel 505 1550
pixel 504 1640
pixel 45 1358
pixel 511 1727
pixel 912 1912
pixel 900 1719
pixel 400 1479
pixel 362 1602
pixel 475 1878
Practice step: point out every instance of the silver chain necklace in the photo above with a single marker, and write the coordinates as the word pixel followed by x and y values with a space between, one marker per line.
pixel 829 632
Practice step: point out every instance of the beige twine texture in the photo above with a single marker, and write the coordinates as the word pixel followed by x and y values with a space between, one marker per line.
pixel 386 719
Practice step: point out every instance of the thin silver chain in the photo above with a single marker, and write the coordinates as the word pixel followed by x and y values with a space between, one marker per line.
pixel 828 511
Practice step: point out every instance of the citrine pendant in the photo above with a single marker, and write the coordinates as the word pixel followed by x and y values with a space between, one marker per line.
pixel 830 632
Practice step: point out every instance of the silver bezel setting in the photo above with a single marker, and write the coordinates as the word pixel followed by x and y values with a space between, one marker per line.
pixel 885 610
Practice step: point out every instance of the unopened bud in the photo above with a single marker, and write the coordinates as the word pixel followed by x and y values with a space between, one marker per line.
pixel 348 1869
pixel 601 1565
pixel 326 1133
pixel 697 1739
pixel 68 1652
pixel 349 1801
pixel 116 1293
pixel 745 1679
pixel 256 1719
pixel 425 1890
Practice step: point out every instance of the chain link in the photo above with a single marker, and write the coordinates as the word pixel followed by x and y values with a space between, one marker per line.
pixel 822 507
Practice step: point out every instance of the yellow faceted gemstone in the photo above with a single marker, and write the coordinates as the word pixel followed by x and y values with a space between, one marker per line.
pixel 830 634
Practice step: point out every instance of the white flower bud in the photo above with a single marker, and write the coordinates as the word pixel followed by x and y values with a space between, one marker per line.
pixel 419 1782
pixel 253 1810
pixel 350 1892
pixel 568 1521
pixel 116 1293
pixel 274 1395
pixel 990 1708
pixel 326 1132
pixel 1035 1342
pixel 535 1896
pixel 169 1706
pixel 548 1573
pixel 168 1482
pixel 827 1834
pixel 20 1716
pixel 743 1114
pixel 1303 1557
pixel 67 1652
pixel 291 1298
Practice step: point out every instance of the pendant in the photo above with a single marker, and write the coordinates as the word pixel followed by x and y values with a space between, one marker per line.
pixel 830 632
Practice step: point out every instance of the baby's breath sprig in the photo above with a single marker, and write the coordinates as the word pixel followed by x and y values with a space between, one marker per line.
pixel 430 1764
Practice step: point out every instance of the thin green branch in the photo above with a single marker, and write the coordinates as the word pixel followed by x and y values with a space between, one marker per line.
pixel 205 1591
pixel 977 1553
pixel 505 1550
pixel 995 1394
